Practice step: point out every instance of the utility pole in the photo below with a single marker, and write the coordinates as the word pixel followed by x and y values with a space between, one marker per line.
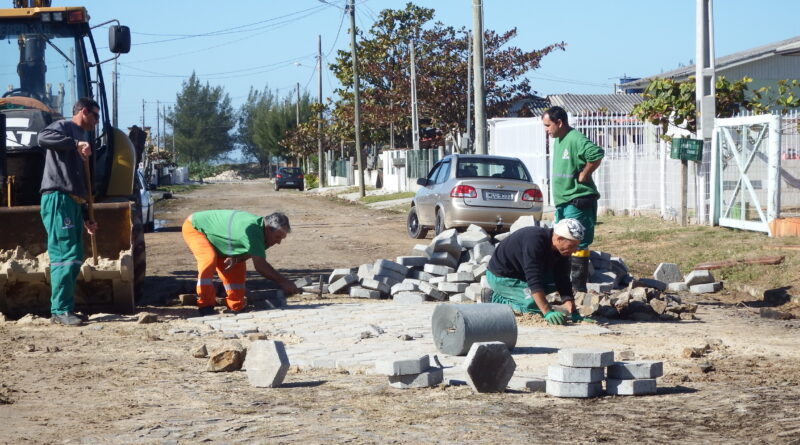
pixel 142 114
pixel 414 111
pixel 114 111
pixel 158 123
pixel 477 60
pixel 468 133
pixel 356 105
pixel 321 170
pixel 704 98
pixel 297 105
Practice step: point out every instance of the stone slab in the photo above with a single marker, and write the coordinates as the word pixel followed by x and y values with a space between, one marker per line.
pixel 585 358
pixel 403 367
pixel 698 277
pixel 342 284
pixel 668 273
pixel 363 292
pixel 489 366
pixel 412 261
pixel 679 286
pixel 406 297
pixel 432 377
pixel 576 390
pixel 639 369
pixel 638 387
pixel 575 375
pixel 266 363
pixel 705 288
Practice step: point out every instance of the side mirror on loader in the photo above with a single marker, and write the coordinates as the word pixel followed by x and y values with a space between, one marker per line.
pixel 119 39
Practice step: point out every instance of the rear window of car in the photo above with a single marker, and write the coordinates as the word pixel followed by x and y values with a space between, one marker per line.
pixel 291 171
pixel 492 168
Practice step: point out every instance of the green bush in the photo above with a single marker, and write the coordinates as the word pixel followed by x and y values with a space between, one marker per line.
pixel 312 181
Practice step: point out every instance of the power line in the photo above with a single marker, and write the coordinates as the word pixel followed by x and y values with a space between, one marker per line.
pixel 217 75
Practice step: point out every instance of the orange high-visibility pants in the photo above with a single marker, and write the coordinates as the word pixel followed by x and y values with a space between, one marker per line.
pixel 207 262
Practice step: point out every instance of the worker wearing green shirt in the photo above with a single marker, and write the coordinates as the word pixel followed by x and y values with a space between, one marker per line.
pixel 223 240
pixel 575 195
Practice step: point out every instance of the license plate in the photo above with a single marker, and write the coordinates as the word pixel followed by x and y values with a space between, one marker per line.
pixel 289 182
pixel 499 196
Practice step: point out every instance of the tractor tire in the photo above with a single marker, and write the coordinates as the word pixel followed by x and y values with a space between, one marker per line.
pixel 139 253
pixel 414 228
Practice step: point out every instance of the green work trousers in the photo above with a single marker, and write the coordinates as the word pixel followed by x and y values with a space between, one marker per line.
pixel 587 216
pixel 63 220
pixel 512 291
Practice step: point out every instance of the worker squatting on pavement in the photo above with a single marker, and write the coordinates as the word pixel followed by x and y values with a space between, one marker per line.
pixel 533 262
pixel 64 194
pixel 575 195
pixel 223 240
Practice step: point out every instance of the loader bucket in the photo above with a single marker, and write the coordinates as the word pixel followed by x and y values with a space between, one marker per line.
pixel 25 269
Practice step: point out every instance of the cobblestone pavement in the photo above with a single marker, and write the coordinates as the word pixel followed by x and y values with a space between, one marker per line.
pixel 352 336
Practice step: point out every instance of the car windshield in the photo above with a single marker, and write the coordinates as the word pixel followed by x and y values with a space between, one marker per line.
pixel 292 171
pixel 491 168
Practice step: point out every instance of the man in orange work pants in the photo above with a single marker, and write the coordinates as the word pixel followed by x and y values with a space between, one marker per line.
pixel 223 241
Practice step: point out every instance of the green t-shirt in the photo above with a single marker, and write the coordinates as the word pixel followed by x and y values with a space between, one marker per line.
pixel 232 232
pixel 570 154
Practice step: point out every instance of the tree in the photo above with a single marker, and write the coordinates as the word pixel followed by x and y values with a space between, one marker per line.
pixel 442 56
pixel 671 102
pixel 202 120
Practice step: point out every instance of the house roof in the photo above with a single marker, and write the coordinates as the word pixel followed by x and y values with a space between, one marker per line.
pixel 618 103
pixel 788 47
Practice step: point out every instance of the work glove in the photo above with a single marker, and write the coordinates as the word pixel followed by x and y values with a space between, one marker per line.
pixel 578 318
pixel 554 317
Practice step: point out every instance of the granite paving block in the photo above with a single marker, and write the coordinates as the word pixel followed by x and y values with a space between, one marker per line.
pixel 470 238
pixel 483 249
pixel 362 292
pixel 585 358
pixel 420 275
pixel 339 273
pixel 705 288
pixel 460 277
pixel 390 265
pixel 437 269
pixel 668 273
pixel 412 261
pixel 639 369
pixel 459 298
pixel 403 367
pixel 489 366
pixel 447 244
pixel 444 259
pixel 680 286
pixel 371 283
pixel 638 387
pixel 432 377
pixel 653 283
pixel 576 390
pixel 575 375
pixel 479 271
pixel 266 363
pixel 698 277
pixel 432 291
pixel 422 250
pixel 453 288
pixel 342 284
pixel 409 297
pixel 404 286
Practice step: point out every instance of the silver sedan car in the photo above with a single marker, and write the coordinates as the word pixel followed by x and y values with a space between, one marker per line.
pixel 489 191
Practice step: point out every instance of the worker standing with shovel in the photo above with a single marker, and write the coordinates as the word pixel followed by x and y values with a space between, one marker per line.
pixel 64 193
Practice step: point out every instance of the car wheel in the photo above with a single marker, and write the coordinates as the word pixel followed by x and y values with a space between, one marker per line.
pixel 440 226
pixel 414 228
pixel 300 189
pixel 277 187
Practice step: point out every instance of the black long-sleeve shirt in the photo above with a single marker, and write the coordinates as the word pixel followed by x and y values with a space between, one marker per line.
pixel 527 255
pixel 63 167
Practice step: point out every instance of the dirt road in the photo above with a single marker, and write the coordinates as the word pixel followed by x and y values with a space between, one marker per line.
pixel 116 381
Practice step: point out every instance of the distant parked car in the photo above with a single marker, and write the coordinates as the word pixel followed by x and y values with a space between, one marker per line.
pixel 147 202
pixel 289 178
pixel 488 191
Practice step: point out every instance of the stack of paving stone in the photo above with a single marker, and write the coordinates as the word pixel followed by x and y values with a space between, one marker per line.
pixel 410 373
pixel 451 268
pixel 580 373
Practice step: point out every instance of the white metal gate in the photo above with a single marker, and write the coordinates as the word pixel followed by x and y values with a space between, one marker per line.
pixel 746 166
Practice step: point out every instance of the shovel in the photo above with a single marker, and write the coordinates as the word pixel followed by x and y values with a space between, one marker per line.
pixel 90 202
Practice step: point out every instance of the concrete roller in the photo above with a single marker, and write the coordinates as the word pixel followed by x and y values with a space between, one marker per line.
pixel 457 326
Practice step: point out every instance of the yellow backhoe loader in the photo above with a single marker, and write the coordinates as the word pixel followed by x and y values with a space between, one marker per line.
pixel 49 60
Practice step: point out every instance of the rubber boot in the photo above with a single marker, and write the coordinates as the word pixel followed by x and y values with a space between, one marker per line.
pixel 579 272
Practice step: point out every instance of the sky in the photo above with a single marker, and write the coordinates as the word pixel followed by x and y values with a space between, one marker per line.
pixel 273 44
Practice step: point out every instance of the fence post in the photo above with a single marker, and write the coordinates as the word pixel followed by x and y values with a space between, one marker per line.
pixel 631 174
pixel 662 187
pixel 774 171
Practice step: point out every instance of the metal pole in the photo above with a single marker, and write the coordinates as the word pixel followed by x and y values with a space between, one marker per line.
pixel 143 115
pixel 468 132
pixel 158 123
pixel 321 171
pixel 414 115
pixel 704 91
pixel 356 105
pixel 297 106
pixel 477 60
